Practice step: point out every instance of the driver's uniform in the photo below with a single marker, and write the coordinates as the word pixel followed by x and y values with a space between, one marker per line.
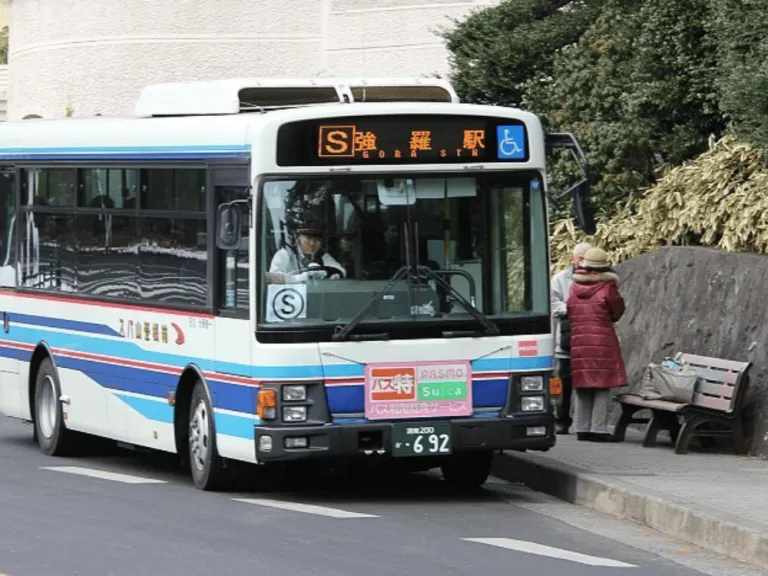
pixel 287 261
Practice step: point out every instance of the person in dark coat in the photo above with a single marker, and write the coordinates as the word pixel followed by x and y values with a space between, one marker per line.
pixel 594 304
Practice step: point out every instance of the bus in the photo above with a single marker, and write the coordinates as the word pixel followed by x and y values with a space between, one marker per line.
pixel 271 271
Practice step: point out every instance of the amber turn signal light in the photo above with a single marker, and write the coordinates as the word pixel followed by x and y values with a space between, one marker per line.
pixel 266 407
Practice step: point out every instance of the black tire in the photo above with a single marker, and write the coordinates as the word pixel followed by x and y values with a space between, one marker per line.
pixel 468 471
pixel 51 433
pixel 205 464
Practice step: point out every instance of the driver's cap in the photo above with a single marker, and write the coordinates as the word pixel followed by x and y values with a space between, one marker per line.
pixel 311 228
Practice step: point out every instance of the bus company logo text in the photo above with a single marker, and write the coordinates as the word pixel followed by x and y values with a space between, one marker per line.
pixel 349 142
pixel 151 331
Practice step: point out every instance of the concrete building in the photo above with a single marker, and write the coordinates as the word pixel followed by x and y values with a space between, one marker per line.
pixel 94 56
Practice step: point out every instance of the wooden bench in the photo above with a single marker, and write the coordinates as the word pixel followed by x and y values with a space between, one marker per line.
pixel 718 398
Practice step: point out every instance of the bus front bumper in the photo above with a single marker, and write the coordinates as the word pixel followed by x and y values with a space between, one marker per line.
pixel 282 444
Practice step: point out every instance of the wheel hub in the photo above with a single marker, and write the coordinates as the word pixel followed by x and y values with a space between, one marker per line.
pixel 47 409
pixel 198 436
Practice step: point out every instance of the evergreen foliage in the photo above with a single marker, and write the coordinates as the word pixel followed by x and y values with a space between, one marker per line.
pixel 647 86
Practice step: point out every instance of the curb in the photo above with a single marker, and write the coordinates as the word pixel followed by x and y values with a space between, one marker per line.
pixel 619 499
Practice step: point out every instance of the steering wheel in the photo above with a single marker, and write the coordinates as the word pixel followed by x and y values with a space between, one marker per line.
pixel 330 271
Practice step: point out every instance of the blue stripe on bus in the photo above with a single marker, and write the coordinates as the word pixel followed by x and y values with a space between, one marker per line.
pixel 351 399
pixel 239 398
pixel 151 382
pixel 146 382
pixel 181 152
pixel 151 409
pixel 15 353
pixel 94 149
pixel 131 351
pixel 237 426
pixel 227 424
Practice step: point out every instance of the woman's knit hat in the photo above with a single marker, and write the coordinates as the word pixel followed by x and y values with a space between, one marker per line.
pixel 595 259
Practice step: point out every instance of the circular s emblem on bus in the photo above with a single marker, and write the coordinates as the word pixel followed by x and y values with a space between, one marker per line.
pixel 286 302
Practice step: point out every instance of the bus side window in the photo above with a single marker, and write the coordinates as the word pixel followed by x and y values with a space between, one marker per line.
pixel 7 238
pixel 233 264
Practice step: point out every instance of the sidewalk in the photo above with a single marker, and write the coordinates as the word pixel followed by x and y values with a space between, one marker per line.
pixel 715 499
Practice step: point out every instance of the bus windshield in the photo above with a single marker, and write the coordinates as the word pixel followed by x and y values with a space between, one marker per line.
pixel 328 246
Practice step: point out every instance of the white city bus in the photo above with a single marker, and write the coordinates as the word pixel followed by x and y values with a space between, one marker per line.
pixel 143 301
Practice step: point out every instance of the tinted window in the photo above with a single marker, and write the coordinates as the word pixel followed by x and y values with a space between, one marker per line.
pixel 173 258
pixel 106 255
pixel 110 188
pixel 174 190
pixel 53 262
pixel 49 186
pixel 87 233
pixel 7 219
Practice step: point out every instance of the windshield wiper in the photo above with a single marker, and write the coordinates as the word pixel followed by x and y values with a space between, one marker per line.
pixel 490 327
pixel 343 333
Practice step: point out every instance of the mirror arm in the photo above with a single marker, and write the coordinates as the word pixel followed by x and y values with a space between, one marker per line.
pixel 579 192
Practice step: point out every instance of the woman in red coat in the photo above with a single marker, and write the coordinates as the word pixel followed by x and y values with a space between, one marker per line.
pixel 594 304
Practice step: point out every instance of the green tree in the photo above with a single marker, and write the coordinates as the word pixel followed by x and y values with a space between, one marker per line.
pixel 496 50
pixel 741 28
pixel 639 91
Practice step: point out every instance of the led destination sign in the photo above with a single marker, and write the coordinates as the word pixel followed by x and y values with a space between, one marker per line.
pixel 401 140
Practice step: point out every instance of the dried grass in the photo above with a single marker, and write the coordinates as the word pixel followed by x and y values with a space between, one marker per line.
pixel 719 199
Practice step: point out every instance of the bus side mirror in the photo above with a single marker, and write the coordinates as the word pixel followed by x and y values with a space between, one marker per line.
pixel 582 208
pixel 579 192
pixel 228 230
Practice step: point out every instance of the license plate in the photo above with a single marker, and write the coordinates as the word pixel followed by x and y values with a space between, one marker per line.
pixel 421 439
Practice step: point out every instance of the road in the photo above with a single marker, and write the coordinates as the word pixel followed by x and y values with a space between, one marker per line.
pixel 126 513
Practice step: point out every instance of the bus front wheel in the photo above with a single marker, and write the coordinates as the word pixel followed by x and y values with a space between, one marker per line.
pixel 468 471
pixel 51 433
pixel 204 461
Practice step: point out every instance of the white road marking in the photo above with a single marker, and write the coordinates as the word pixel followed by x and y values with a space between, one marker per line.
pixel 541 550
pixel 306 508
pixel 103 475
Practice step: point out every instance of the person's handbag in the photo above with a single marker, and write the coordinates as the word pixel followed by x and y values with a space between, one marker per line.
pixel 671 381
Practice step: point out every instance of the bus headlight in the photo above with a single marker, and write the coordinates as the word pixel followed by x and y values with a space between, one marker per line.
pixel 532 383
pixel 533 403
pixel 294 413
pixel 293 393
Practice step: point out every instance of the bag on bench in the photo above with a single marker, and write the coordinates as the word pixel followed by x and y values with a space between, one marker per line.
pixel 669 381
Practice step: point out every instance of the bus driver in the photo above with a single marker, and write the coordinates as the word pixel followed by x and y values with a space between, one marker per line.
pixel 306 259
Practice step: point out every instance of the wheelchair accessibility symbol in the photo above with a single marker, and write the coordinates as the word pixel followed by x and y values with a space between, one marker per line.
pixel 511 141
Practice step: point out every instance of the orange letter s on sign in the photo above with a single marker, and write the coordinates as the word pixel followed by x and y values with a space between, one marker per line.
pixel 337 142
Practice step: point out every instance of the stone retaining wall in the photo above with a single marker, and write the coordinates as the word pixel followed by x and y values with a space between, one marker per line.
pixel 703 301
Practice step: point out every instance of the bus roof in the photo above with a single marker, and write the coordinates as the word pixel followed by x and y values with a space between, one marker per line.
pixel 236 95
pixel 210 136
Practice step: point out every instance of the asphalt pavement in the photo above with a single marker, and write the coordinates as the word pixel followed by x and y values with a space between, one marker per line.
pixel 125 513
